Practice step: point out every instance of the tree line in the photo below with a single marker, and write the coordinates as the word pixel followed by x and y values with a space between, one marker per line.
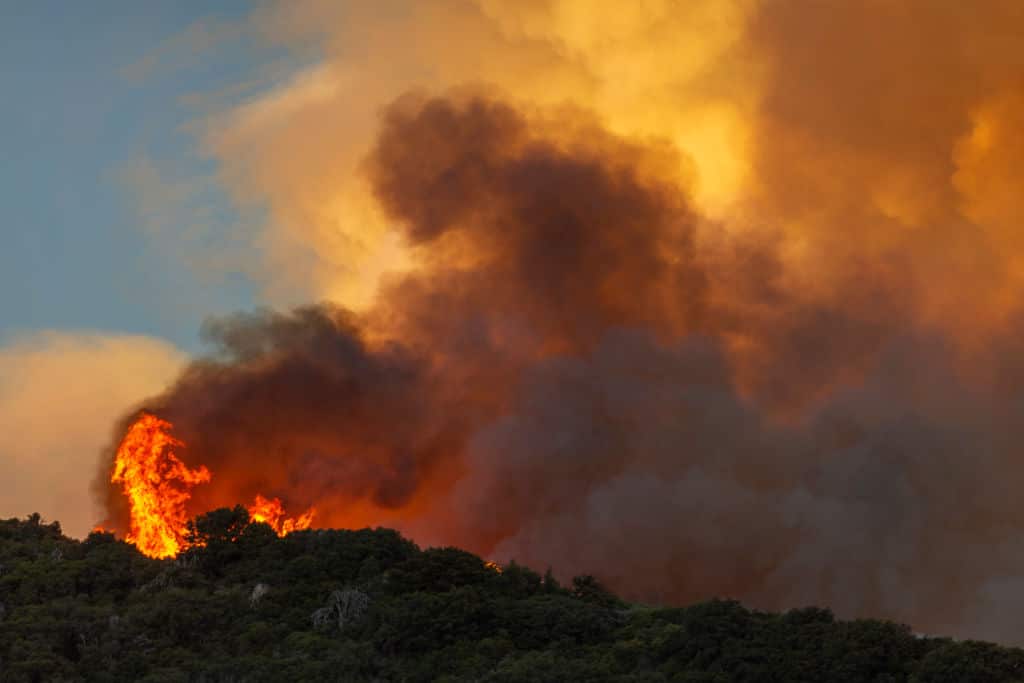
pixel 242 604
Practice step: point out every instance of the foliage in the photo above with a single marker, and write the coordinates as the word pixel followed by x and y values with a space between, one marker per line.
pixel 242 604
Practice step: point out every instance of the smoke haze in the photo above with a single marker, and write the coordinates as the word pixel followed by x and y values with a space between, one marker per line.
pixel 59 395
pixel 710 299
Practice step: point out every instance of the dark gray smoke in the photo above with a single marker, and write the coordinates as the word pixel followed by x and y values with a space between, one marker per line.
pixel 583 373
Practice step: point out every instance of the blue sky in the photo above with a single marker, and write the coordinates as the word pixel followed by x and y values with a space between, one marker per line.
pixel 90 90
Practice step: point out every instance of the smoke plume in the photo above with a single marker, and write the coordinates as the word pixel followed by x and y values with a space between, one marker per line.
pixel 714 300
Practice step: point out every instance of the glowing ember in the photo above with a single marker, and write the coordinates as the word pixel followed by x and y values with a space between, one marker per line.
pixel 157 485
pixel 272 512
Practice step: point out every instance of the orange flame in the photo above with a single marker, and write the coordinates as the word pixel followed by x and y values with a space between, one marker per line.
pixel 158 484
pixel 272 512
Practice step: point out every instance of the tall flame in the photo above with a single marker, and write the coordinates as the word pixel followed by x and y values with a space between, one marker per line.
pixel 158 485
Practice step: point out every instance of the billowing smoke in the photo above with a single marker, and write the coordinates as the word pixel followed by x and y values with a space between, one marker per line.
pixel 742 319
pixel 573 378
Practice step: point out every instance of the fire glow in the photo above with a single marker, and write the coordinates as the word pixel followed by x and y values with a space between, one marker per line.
pixel 270 511
pixel 158 485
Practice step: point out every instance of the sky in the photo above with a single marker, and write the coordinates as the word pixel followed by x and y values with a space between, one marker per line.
pixel 97 103
pixel 82 115
pixel 716 297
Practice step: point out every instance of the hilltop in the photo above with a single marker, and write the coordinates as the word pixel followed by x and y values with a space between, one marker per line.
pixel 243 604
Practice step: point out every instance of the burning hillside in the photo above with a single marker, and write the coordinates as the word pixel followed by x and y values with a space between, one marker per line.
pixel 158 486
pixel 580 369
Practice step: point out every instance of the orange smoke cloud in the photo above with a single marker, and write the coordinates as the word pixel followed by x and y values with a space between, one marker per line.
pixel 875 129
pixel 712 299
pixel 59 394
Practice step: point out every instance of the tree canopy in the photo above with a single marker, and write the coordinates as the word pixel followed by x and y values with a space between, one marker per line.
pixel 242 604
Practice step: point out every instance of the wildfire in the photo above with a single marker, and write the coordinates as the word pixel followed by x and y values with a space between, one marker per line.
pixel 158 485
pixel 272 512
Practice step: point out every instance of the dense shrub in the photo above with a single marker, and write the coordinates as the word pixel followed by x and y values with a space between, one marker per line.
pixel 368 605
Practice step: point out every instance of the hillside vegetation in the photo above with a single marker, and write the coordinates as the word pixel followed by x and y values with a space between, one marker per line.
pixel 333 605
